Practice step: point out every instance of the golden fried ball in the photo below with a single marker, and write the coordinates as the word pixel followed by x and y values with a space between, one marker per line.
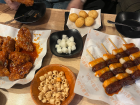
pixel 89 21
pixel 83 14
pixel 93 14
pixel 73 17
pixel 80 22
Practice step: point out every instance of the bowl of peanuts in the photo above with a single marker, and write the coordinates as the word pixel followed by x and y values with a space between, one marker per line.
pixel 53 85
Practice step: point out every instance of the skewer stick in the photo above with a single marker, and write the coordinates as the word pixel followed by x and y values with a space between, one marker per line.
pixel 112 43
pixel 122 39
pixel 90 55
pixel 104 48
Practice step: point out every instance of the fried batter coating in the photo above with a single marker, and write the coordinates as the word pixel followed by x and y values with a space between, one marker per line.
pixel 19 72
pixel 1 42
pixel 24 40
pixel 3 64
pixel 19 58
pixel 20 65
pixel 8 44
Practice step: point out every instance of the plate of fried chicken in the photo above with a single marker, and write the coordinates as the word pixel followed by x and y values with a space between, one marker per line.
pixel 21 54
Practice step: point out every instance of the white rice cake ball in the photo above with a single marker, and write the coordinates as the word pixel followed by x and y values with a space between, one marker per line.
pixel 64 36
pixel 59 41
pixel 64 50
pixel 71 44
pixel 57 45
pixel 63 40
pixel 63 44
pixel 67 42
pixel 73 48
pixel 71 39
pixel 69 50
pixel 59 50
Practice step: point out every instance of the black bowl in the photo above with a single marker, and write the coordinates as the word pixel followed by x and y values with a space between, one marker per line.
pixel 58 35
pixel 39 8
pixel 129 18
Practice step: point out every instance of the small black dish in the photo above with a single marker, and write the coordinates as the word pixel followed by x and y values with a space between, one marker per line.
pixel 38 7
pixel 129 18
pixel 58 35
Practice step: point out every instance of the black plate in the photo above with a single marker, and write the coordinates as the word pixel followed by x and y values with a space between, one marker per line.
pixel 58 35
pixel 129 18
pixel 40 9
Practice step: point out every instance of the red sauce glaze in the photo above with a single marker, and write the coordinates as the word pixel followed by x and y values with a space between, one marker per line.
pixel 33 54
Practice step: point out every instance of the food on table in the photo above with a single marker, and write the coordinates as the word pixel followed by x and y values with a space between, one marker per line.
pixel 19 58
pixel 136 74
pixel 119 53
pixel 117 68
pixel 105 76
pixel 101 72
pixel 15 64
pixel 20 65
pixel 112 85
pixel 131 62
pixel 84 18
pixel 54 87
pixel 73 17
pixel 97 64
pixel 93 14
pixel 24 40
pixel 110 59
pixel 8 44
pixel 83 14
pixel 80 22
pixel 134 55
pixel 65 45
pixel 126 62
pixel 130 48
pixel 3 64
pixel 134 71
pixel 26 2
pixel 1 42
pixel 89 21
pixel 19 71
pixel 118 74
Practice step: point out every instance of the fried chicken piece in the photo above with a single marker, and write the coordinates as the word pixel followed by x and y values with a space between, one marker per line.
pixel 3 64
pixel 1 42
pixel 19 72
pixel 24 40
pixel 19 58
pixel 8 44
pixel 26 2
pixel 20 65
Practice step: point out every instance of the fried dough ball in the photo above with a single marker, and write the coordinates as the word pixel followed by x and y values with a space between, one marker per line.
pixel 83 14
pixel 89 21
pixel 93 14
pixel 73 17
pixel 80 22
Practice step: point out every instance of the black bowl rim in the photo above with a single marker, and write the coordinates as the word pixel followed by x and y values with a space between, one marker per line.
pixel 71 54
pixel 120 14
pixel 32 21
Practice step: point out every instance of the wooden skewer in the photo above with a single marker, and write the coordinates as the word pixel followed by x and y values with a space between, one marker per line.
pixel 104 48
pixel 90 55
pixel 112 43
pixel 122 39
